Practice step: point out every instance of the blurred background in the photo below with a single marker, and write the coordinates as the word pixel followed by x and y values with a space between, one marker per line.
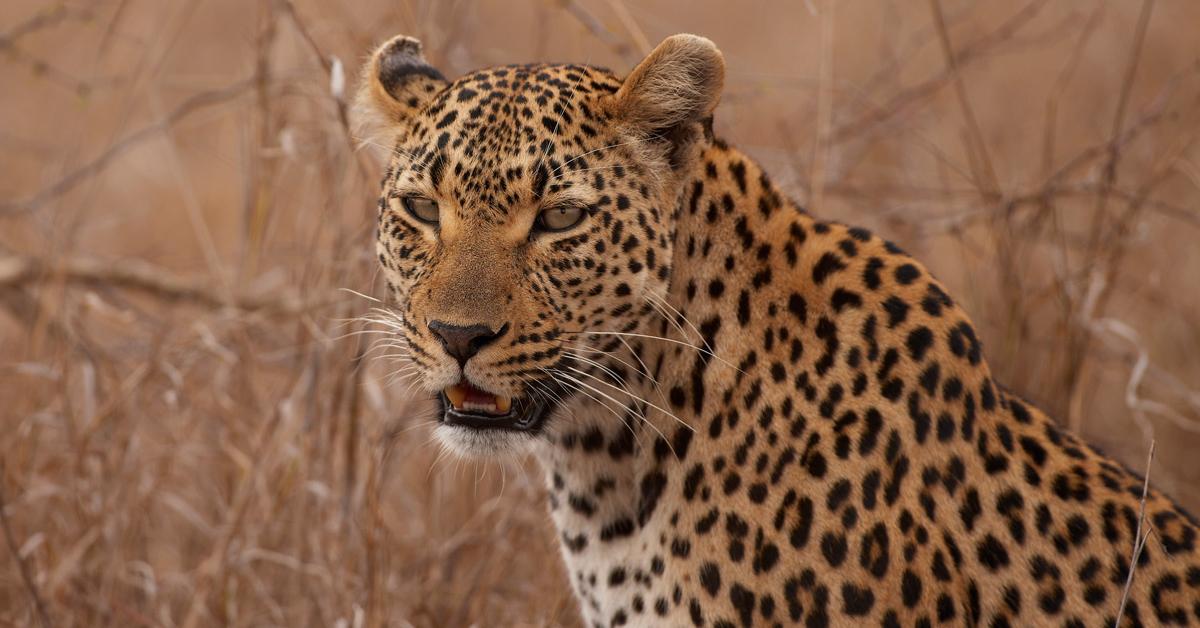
pixel 193 431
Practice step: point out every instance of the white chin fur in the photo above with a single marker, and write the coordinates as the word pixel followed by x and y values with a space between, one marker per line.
pixel 474 443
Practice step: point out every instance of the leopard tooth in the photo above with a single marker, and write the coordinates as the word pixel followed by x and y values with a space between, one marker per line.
pixel 456 394
pixel 503 404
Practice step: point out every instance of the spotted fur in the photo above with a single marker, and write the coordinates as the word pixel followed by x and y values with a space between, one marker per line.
pixel 760 417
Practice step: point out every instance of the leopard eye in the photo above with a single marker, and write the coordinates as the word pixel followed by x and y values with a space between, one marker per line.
pixel 559 218
pixel 423 209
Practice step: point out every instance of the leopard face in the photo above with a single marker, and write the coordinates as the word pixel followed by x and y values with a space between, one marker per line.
pixel 524 207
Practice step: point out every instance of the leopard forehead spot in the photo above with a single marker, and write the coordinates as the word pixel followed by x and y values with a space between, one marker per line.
pixel 760 417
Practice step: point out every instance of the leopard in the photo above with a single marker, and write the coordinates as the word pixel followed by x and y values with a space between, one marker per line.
pixel 745 414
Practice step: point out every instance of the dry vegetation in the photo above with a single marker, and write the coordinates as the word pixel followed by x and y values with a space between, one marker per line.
pixel 193 433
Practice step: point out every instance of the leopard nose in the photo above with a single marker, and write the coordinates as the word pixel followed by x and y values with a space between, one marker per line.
pixel 464 341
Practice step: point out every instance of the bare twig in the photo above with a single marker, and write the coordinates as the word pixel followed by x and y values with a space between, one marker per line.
pixel 45 19
pixel 822 146
pixel 909 97
pixel 1078 339
pixel 593 26
pixel 140 276
pixel 1135 56
pixel 1139 541
pixel 969 215
pixel 1152 116
pixel 1138 371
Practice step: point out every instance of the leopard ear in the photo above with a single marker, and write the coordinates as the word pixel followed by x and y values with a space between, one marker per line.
pixel 396 83
pixel 679 82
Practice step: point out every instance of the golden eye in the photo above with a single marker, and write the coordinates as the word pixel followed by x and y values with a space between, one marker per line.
pixel 559 218
pixel 422 209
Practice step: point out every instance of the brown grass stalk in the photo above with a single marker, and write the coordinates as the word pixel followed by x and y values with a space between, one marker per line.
pixel 1139 539
pixel 14 549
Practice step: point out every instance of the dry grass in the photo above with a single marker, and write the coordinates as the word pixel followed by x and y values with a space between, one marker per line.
pixel 194 433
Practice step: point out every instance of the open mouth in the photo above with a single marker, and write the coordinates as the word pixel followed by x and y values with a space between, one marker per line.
pixel 468 406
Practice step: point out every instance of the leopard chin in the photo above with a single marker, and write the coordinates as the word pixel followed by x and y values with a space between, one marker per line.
pixel 484 444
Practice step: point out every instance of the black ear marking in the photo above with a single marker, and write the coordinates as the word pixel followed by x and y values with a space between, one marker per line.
pixel 396 83
pixel 401 60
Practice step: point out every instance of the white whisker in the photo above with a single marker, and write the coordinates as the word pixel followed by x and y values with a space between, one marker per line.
pixel 652 337
pixel 626 391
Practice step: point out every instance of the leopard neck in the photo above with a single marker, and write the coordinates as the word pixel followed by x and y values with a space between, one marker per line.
pixel 606 463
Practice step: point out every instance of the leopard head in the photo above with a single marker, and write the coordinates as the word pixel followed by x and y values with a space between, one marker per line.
pixel 525 208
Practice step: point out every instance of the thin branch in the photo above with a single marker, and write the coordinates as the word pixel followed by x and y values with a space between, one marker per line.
pixel 593 26
pixel 969 215
pixel 990 182
pixel 1060 86
pixel 16 272
pixel 42 20
pixel 1114 152
pixel 67 183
